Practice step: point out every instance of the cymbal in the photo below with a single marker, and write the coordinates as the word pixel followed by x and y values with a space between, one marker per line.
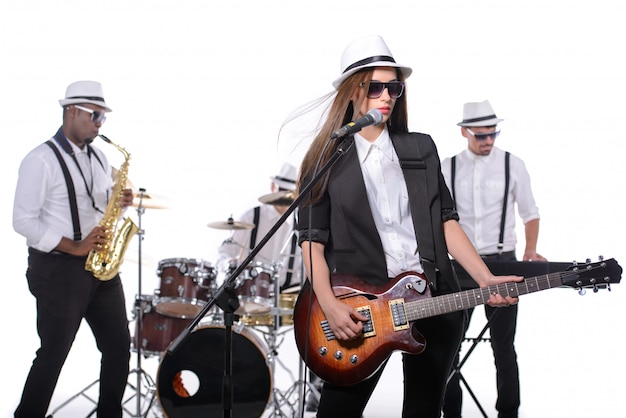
pixel 284 198
pixel 149 201
pixel 230 224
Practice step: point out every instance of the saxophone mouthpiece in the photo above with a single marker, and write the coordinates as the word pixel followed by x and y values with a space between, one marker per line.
pixel 104 138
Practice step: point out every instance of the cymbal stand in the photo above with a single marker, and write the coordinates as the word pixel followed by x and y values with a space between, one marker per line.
pixel 299 387
pixel 143 378
pixel 278 400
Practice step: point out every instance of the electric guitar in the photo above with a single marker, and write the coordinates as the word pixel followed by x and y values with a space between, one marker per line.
pixel 391 309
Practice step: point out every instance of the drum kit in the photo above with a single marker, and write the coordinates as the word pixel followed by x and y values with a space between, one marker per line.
pixel 190 381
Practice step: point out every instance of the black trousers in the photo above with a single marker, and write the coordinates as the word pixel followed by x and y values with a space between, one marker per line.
pixel 502 327
pixel 425 375
pixel 66 293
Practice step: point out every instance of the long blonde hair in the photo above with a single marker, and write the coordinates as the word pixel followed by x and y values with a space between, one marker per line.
pixel 343 110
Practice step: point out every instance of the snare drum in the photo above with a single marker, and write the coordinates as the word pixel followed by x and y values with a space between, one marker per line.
pixel 157 331
pixel 186 284
pixel 254 288
pixel 201 357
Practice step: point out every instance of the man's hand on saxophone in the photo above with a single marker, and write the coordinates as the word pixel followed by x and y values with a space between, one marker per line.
pixel 94 241
pixel 127 198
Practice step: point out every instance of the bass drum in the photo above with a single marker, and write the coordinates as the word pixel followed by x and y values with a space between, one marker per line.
pixel 201 356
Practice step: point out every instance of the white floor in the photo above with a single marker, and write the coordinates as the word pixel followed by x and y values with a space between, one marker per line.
pixel 569 350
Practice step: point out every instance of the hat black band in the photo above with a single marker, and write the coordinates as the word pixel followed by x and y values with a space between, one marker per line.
pixel 87 98
pixel 479 119
pixel 285 179
pixel 369 60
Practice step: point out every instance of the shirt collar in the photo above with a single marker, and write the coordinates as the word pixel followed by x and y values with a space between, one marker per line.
pixel 383 143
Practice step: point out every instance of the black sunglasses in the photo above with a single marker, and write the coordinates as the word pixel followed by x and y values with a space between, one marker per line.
pixel 376 89
pixel 483 137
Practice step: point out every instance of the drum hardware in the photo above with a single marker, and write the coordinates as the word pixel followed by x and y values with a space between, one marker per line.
pixel 225 296
pixel 143 379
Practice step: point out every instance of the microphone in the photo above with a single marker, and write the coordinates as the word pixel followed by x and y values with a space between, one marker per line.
pixel 373 117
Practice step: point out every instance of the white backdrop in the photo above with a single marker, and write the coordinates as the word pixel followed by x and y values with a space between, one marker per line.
pixel 199 92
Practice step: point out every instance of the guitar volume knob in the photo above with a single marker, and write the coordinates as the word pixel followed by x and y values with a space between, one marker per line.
pixel 322 351
pixel 354 359
pixel 338 355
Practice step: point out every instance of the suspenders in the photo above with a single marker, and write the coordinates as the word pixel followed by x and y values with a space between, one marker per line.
pixel 257 214
pixel 62 141
pixel 70 190
pixel 506 193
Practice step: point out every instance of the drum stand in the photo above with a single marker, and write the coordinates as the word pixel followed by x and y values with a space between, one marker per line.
pixel 143 379
pixel 282 403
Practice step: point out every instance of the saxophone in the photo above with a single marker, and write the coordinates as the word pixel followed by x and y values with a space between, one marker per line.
pixel 105 262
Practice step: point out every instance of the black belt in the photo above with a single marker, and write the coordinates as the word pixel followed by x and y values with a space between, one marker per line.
pixel 506 255
pixel 55 253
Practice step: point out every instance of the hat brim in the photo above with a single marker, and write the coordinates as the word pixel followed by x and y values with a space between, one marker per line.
pixel 488 122
pixel 282 184
pixel 406 71
pixel 66 102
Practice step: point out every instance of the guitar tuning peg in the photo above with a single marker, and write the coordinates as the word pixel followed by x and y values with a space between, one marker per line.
pixel 581 291
pixel 588 261
pixel 595 288
pixel 600 258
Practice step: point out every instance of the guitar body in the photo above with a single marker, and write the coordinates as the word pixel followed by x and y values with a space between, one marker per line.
pixel 346 363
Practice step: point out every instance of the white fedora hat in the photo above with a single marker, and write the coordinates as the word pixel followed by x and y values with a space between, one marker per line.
pixel 85 92
pixel 286 178
pixel 370 51
pixel 479 114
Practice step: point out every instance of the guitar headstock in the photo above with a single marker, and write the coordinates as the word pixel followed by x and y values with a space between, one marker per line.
pixel 598 275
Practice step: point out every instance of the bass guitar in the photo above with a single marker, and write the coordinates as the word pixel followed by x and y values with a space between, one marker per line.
pixel 392 308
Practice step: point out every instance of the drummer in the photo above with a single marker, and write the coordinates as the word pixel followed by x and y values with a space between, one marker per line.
pixel 281 251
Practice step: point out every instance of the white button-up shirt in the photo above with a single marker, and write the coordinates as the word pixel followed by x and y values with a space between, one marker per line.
pixel 479 194
pixel 41 210
pixel 389 203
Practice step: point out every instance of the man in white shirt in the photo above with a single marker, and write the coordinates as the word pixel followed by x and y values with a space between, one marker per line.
pixel 63 189
pixel 487 184
pixel 281 250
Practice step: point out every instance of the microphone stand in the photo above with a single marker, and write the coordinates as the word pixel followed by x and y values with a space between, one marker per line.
pixel 225 296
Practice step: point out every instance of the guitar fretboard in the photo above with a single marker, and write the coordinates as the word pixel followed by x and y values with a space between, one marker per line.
pixel 458 301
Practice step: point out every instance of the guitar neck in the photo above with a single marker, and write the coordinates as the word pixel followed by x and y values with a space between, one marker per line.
pixel 459 301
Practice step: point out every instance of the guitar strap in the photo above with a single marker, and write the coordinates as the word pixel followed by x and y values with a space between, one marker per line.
pixel 507 175
pixel 407 146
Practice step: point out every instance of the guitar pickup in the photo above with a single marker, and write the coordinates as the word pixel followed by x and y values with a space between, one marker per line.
pixel 398 314
pixel 368 326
